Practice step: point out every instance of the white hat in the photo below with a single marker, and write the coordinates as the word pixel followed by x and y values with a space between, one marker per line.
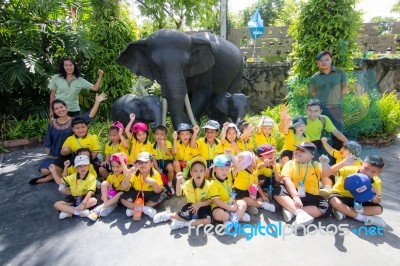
pixel 268 122
pixel 81 160
pixel 144 156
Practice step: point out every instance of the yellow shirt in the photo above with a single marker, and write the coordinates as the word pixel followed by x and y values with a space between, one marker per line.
pixel 72 170
pixel 221 189
pixel 244 179
pixel 292 139
pixel 138 147
pixel 116 181
pixel 196 194
pixel 309 173
pixel 338 188
pixel 80 187
pixel 111 148
pixel 336 154
pixel 266 171
pixel 262 139
pixel 185 153
pixel 138 183
pixel 227 145
pixel 160 154
pixel 245 145
pixel 89 141
pixel 209 152
pixel 314 128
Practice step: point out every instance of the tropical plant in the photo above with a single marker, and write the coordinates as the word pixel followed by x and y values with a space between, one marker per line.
pixel 390 113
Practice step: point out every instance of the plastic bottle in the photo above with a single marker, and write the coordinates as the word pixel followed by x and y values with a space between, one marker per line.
pixel 137 209
pixel 233 217
pixel 358 207
pixel 78 200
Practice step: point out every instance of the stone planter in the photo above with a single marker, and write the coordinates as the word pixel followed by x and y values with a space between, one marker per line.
pixel 20 143
pixel 378 142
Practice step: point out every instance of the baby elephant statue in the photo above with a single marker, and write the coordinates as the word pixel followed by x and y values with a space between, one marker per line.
pixel 229 106
pixel 146 109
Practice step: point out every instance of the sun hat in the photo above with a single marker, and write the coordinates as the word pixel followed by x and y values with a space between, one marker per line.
pixel 232 125
pixel 184 127
pixel 265 149
pixel 139 126
pixel 246 159
pixel 353 147
pixel 297 121
pixel 360 186
pixel 212 124
pixel 81 160
pixel 222 160
pixel 268 122
pixel 144 156
pixel 307 146
pixel 198 159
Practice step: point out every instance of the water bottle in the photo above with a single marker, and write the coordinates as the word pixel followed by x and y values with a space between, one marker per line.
pixel 233 217
pixel 78 200
pixel 358 207
pixel 270 188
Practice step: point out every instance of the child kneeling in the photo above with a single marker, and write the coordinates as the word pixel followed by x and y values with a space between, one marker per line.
pixel 196 191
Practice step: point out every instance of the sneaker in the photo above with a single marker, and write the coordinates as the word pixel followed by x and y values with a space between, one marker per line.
pixel 93 216
pixel 172 190
pixel 129 212
pixel 287 215
pixel 338 215
pixel 61 187
pixel 303 218
pixel 252 210
pixel 325 193
pixel 176 224
pixel 161 217
pixel 107 210
pixel 84 213
pixel 268 206
pixel 374 220
pixel 64 215
pixel 227 223
pixel 98 184
pixel 149 211
pixel 245 218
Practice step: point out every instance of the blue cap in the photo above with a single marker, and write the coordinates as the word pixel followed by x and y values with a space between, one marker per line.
pixel 265 149
pixel 360 186
pixel 222 161
pixel 184 127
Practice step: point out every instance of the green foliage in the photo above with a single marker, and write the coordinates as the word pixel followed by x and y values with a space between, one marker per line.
pixel 390 113
pixel 100 128
pixel 298 95
pixel 28 128
pixel 325 25
pixel 269 11
pixel 385 23
pixel 288 14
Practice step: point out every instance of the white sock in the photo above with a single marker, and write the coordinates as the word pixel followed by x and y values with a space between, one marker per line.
pixel 169 183
pixel 328 187
pixel 360 217
pixel 297 211
pixel 268 206
pixel 99 208
pixel 76 212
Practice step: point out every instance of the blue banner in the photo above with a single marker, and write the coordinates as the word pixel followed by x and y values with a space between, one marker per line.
pixel 256 26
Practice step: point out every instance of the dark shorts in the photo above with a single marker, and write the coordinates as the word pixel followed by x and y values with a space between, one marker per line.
pixel 350 201
pixel 209 163
pixel 240 194
pixel 46 163
pixel 309 200
pixel 72 199
pixel 203 213
pixel 267 181
pixel 158 198
pixel 162 164
pixel 287 153
pixel 60 160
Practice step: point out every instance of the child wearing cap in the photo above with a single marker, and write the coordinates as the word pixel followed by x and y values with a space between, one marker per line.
pixel 146 182
pixel 82 186
pixel 209 146
pixel 349 147
pixel 138 138
pixel 298 193
pixel 245 142
pixel 294 131
pixel 111 188
pixel 246 184
pixel 264 131
pixel 117 144
pixel 229 136
pixel 225 208
pixel 268 169
pixel 342 200
pixel 184 149
pixel 197 211
pixel 162 152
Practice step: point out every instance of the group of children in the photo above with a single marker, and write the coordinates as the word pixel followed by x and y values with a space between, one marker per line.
pixel 224 179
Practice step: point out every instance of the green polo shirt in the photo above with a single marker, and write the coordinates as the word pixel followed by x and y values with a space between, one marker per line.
pixel 314 128
pixel 328 86
pixel 69 93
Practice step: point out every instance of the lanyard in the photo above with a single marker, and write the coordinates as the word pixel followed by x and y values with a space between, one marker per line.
pixel 77 140
pixel 305 175
pixel 162 156
pixel 208 150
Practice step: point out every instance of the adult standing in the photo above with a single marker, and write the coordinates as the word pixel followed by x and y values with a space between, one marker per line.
pixel 58 131
pixel 68 83
pixel 329 86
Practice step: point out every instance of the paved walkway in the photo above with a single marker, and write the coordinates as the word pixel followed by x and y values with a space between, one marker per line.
pixel 32 234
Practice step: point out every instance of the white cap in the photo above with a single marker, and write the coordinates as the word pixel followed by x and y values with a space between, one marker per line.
pixel 81 160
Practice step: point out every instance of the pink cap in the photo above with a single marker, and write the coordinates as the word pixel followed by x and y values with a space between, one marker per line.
pixel 115 158
pixel 117 124
pixel 245 159
pixel 139 126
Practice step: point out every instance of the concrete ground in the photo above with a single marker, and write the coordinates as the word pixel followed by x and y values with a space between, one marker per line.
pixel 32 234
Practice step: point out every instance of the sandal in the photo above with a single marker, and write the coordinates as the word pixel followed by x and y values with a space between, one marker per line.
pixel 33 181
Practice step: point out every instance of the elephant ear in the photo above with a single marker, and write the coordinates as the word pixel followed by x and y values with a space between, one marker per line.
pixel 136 59
pixel 202 56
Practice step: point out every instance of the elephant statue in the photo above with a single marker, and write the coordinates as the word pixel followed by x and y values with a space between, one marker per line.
pixel 146 109
pixel 191 69
pixel 228 106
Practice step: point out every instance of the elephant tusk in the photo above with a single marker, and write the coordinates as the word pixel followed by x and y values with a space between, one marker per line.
pixel 164 111
pixel 189 110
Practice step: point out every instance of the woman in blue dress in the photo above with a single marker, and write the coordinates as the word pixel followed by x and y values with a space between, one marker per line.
pixel 58 131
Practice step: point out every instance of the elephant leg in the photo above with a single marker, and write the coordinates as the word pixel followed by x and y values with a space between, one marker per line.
pixel 201 96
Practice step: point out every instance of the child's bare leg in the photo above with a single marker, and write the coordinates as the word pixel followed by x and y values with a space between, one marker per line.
pixel 103 172
pixel 63 206
pixel 127 204
pixel 372 210
pixel 104 191
pixel 286 202
pixel 313 211
pixel 220 215
pixel 177 166
pixel 113 200
pixel 242 206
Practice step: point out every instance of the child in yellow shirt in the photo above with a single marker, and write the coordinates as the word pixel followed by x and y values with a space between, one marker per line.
pixel 230 135
pixel 183 149
pixel 264 132
pixel 138 138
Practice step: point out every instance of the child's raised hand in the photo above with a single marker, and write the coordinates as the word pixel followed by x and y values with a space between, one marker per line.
pixel 120 132
pixel 196 129
pixel 228 152
pixel 132 116
pixel 225 125
pixel 324 159
pixel 67 163
pixel 175 135
pixel 52 167
pixel 324 140
pixel 100 72
pixel 284 115
pixel 101 97
pixel 350 159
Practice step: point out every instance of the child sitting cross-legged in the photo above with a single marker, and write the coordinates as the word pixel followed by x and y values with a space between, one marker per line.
pixel 196 191
pixel 82 186
pixel 111 188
